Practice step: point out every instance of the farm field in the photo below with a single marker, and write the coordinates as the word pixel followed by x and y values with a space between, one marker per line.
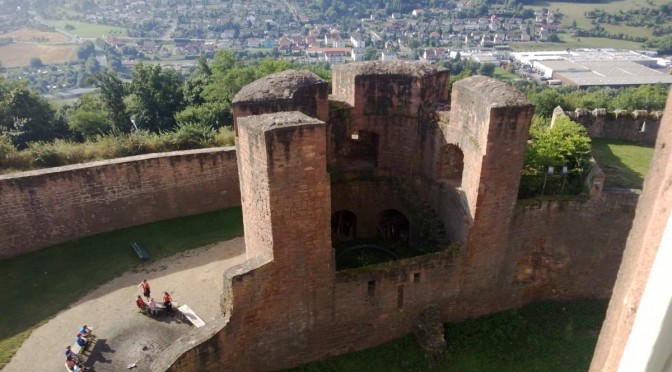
pixel 89 30
pixel 27 34
pixel 573 43
pixel 576 11
pixel 19 54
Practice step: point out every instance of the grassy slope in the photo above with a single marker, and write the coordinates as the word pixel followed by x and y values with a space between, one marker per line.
pixel 83 29
pixel 503 75
pixel 573 43
pixel 57 276
pixel 546 336
pixel 576 11
pixel 625 163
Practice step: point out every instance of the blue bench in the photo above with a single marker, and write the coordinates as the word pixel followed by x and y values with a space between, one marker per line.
pixel 140 250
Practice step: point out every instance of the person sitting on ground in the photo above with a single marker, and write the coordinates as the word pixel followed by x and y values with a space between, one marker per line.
pixel 167 302
pixel 81 341
pixel 70 354
pixel 152 307
pixel 141 305
pixel 73 365
pixel 86 331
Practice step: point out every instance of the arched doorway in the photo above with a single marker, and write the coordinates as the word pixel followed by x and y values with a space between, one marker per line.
pixel 393 226
pixel 343 225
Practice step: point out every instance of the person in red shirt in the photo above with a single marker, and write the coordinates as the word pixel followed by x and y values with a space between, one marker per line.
pixel 167 302
pixel 141 304
pixel 145 289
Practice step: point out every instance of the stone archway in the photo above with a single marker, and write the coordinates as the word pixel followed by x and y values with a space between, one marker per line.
pixel 343 225
pixel 393 226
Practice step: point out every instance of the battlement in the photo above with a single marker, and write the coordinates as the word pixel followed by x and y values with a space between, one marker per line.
pixel 602 113
pixel 380 88
pixel 289 90
pixel 639 126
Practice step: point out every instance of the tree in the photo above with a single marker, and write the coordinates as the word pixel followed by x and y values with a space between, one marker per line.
pixel 370 53
pixel 486 69
pixel 89 117
pixel 566 143
pixel 112 91
pixel 86 50
pixel 36 62
pixel 546 101
pixel 27 117
pixel 157 95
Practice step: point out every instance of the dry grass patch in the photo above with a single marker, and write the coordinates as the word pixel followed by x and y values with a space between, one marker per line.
pixel 28 34
pixel 19 54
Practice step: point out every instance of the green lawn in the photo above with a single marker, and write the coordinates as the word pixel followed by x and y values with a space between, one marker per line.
pixel 576 11
pixel 624 163
pixel 568 42
pixel 503 75
pixel 37 285
pixel 545 336
pixel 83 29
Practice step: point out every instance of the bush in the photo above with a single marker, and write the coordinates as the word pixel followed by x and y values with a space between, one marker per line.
pixel 564 144
pixel 225 136
pixel 45 154
pixel 193 135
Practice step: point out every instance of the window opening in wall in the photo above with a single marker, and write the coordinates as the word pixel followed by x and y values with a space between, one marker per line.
pixel 416 277
pixel 400 297
pixel 361 150
pixel 641 127
pixel 371 288
pixel 343 226
pixel 393 226
pixel 451 164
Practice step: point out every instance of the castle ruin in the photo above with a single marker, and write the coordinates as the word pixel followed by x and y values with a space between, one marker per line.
pixel 392 139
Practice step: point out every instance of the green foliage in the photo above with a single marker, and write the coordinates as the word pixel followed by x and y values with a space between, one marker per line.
pixel 225 136
pixel 564 144
pixel 644 97
pixel 36 62
pixel 86 50
pixel 7 149
pixel 27 117
pixel 89 117
pixel 113 91
pixel 193 135
pixel 546 101
pixel 157 96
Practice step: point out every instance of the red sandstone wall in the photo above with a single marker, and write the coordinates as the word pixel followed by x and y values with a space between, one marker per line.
pixel 296 309
pixel 50 206
pixel 653 213
pixel 624 126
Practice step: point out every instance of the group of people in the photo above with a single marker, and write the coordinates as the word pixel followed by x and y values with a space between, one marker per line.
pixel 72 360
pixel 150 305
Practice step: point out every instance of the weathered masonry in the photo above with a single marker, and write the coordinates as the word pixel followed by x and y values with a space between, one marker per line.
pixel 391 145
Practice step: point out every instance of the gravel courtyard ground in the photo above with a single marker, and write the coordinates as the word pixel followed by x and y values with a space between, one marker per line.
pixel 125 336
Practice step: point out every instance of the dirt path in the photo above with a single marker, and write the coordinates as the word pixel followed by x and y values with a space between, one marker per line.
pixel 124 335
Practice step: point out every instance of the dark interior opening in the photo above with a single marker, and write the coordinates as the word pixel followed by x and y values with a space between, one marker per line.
pixel 361 150
pixel 343 225
pixel 451 164
pixel 393 226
